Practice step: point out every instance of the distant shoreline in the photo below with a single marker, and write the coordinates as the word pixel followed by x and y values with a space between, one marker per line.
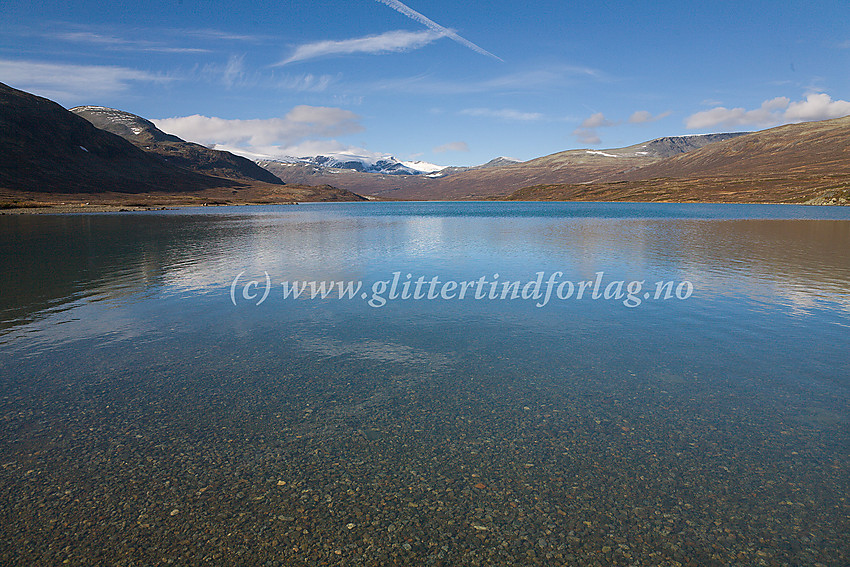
pixel 48 208
pixel 73 208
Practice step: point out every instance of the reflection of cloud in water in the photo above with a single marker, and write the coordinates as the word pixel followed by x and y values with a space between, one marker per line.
pixel 375 350
pixel 288 249
pixel 800 296
pixel 805 302
pixel 89 318
pixel 423 235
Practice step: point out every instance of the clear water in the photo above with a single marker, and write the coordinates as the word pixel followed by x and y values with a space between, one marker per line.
pixel 151 411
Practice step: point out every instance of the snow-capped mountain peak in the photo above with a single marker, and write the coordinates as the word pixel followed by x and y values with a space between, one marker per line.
pixel 365 163
pixel 423 166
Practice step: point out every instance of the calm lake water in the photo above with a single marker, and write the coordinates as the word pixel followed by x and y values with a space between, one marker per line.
pixel 162 399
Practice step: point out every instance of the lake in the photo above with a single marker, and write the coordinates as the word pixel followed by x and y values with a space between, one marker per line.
pixel 454 384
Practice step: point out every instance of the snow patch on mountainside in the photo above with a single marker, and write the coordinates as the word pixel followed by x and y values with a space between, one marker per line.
pixel 114 115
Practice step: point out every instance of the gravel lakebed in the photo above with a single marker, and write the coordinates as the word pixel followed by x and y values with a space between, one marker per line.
pixel 415 469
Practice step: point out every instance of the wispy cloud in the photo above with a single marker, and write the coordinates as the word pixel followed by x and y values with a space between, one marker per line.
pixel 234 71
pixel 452 147
pixel 122 44
pixel 389 42
pixel 231 73
pixel 434 26
pixel 644 117
pixel 89 37
pixel 72 83
pixel 220 35
pixel 503 114
pixel 306 82
pixel 149 38
pixel 779 110
pixel 270 136
pixel 550 75
pixel 529 80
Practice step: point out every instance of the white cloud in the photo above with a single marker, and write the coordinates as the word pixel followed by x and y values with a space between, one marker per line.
pixel 71 83
pixel 644 116
pixel 817 106
pixel 779 110
pixel 452 147
pixel 504 114
pixel 330 148
pixel 388 42
pixel 769 113
pixel 597 120
pixel 586 132
pixel 306 148
pixel 273 136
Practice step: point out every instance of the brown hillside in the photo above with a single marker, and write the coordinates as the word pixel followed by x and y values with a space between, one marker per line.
pixel 798 163
pixel 810 148
pixel 572 166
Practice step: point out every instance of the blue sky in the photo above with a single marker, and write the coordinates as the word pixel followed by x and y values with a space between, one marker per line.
pixel 453 83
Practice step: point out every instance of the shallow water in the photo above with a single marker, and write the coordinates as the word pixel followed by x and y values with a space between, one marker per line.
pixel 152 411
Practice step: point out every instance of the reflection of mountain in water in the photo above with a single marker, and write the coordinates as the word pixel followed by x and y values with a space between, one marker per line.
pixel 61 259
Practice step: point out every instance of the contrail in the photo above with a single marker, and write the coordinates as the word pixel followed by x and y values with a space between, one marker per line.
pixel 414 15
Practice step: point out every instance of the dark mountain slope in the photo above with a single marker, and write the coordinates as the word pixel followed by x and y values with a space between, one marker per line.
pixel 47 149
pixel 195 157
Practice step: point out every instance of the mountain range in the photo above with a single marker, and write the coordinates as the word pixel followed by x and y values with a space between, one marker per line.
pixel 104 153
pixel 49 153
pixel 502 175
pixel 384 165
pixel 807 162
